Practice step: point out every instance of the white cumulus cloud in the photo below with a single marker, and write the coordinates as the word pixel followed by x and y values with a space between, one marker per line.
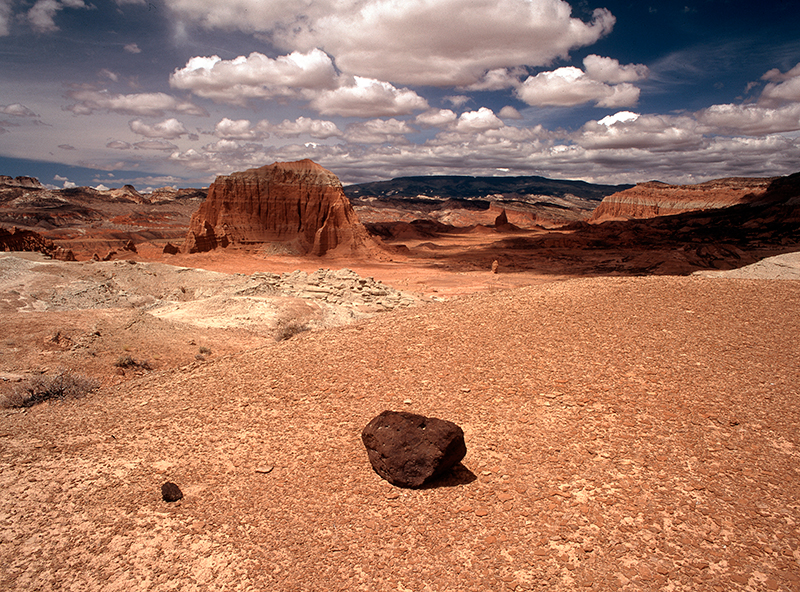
pixel 436 118
pixel 751 120
pixel 239 129
pixel 509 112
pixel 419 42
pixel 169 129
pixel 650 132
pixel 499 79
pixel 255 76
pixel 367 97
pixel 316 128
pixel 570 86
pixel 478 121
pixel 782 88
pixel 378 131
pixel 609 70
pixel 17 110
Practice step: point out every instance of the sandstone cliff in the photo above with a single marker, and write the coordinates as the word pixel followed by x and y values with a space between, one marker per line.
pixel 295 207
pixel 647 200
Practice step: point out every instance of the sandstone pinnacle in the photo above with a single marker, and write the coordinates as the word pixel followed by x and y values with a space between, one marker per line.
pixel 296 207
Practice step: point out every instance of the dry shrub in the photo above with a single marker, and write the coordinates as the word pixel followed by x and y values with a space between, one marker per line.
pixel 128 361
pixel 62 385
pixel 286 328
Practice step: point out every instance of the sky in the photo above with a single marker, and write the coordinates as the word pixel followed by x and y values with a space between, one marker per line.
pixel 175 92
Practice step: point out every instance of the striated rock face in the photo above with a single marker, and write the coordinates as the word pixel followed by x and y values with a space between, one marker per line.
pixel 647 200
pixel 297 207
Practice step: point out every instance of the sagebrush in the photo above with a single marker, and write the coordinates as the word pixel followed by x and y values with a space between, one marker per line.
pixel 128 361
pixel 288 328
pixel 62 385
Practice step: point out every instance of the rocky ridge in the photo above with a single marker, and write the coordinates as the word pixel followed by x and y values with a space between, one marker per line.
pixel 87 221
pixel 717 238
pixel 647 200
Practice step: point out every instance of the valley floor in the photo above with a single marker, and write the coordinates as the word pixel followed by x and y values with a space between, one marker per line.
pixel 623 433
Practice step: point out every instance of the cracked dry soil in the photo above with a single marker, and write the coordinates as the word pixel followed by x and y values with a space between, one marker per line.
pixel 622 434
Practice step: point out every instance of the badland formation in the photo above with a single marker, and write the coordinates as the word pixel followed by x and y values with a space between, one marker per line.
pixel 622 361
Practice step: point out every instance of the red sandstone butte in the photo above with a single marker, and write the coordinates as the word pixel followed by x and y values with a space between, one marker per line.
pixel 647 200
pixel 295 207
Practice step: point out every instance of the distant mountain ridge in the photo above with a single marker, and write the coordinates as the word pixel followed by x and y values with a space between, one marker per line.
pixel 464 187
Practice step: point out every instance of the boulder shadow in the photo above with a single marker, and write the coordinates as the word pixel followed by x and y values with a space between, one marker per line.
pixel 458 475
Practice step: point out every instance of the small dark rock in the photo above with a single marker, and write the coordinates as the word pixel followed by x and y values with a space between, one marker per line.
pixel 408 450
pixel 171 492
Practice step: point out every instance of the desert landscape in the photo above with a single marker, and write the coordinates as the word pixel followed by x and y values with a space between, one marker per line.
pixel 622 361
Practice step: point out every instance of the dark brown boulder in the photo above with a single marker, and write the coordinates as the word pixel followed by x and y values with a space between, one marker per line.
pixel 171 492
pixel 170 249
pixel 409 450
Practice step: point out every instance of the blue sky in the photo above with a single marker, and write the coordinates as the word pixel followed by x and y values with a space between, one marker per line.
pixel 175 92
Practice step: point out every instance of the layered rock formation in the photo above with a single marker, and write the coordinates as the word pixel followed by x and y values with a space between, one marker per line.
pixel 17 239
pixel 715 238
pixel 647 200
pixel 295 207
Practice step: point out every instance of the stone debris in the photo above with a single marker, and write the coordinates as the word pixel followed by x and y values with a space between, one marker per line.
pixel 343 287
pixel 409 450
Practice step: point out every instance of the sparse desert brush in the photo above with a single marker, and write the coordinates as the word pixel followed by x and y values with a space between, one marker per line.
pixel 286 328
pixel 61 385
pixel 204 350
pixel 128 361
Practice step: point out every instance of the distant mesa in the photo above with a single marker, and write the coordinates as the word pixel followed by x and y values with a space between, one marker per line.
pixel 26 182
pixel 296 208
pixel 651 199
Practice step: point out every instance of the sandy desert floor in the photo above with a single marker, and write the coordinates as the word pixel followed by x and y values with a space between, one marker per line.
pixel 623 433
